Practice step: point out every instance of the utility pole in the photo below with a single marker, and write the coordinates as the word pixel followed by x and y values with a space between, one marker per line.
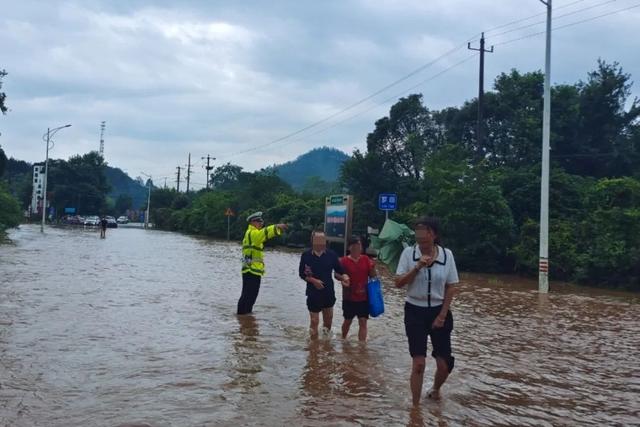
pixel 188 172
pixel 480 129
pixel 178 179
pixel 165 182
pixel 543 266
pixel 48 136
pixel 208 168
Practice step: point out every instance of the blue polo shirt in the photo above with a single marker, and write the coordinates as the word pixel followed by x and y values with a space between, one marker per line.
pixel 321 267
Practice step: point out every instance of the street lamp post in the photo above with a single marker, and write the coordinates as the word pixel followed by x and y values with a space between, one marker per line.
pixel 48 136
pixel 146 216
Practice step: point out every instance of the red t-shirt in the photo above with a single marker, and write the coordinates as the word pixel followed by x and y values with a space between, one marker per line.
pixel 359 276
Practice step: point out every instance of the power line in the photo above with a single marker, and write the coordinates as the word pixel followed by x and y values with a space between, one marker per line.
pixel 554 18
pixel 355 104
pixel 385 101
pixel 468 58
pixel 593 18
pixel 424 67
pixel 508 24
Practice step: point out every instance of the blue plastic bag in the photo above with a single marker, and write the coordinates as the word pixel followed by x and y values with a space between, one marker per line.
pixel 376 303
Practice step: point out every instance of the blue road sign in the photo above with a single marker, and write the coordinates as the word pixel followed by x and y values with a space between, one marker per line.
pixel 388 201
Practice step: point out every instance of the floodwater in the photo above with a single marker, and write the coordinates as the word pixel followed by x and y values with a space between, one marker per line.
pixel 140 328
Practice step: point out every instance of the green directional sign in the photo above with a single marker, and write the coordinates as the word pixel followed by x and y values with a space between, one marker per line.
pixel 339 199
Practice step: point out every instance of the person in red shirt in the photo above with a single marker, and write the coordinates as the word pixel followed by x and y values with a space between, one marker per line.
pixel 355 302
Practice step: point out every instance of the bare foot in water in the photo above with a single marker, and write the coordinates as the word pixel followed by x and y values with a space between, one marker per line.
pixel 434 394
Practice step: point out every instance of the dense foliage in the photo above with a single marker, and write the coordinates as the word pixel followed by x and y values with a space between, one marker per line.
pixel 10 213
pixel 487 196
pixel 243 193
pixel 84 182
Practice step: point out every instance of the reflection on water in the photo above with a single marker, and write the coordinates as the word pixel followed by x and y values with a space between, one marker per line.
pixel 140 328
pixel 248 355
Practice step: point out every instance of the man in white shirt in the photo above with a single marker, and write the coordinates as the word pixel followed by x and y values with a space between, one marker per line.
pixel 430 272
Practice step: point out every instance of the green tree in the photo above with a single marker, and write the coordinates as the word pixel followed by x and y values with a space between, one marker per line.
pixel 79 182
pixel 123 202
pixel 3 162
pixel 10 213
pixel 476 219
pixel 604 141
pixel 3 96
pixel 225 176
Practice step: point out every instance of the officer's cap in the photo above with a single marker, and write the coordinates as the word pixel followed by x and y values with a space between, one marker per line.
pixel 255 216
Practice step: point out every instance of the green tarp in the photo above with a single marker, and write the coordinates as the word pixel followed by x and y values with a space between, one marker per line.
pixel 391 241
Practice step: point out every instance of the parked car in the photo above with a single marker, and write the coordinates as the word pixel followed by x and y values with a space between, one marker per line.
pixel 122 220
pixel 92 221
pixel 73 220
pixel 111 222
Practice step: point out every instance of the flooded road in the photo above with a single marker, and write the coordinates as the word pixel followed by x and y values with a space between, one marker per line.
pixel 140 328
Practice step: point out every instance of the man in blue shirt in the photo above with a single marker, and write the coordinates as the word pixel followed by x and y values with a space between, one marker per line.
pixel 316 267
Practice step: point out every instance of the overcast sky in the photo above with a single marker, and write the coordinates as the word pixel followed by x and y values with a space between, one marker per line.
pixel 223 77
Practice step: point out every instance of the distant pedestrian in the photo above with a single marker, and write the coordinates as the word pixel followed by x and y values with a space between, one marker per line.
pixel 316 267
pixel 103 227
pixel 253 259
pixel 430 272
pixel 355 302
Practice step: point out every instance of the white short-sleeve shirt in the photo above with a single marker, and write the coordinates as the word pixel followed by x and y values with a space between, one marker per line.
pixel 428 287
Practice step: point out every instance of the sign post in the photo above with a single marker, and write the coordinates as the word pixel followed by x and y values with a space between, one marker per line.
pixel 228 213
pixel 338 214
pixel 387 202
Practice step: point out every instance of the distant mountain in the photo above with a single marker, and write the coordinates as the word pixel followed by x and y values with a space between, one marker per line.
pixel 323 163
pixel 121 183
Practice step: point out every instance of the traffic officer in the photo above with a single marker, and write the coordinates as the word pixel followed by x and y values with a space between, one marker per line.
pixel 253 258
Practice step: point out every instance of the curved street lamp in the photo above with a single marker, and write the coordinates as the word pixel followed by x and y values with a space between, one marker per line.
pixel 47 138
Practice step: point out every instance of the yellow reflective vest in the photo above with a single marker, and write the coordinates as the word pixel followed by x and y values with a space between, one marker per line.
pixel 253 248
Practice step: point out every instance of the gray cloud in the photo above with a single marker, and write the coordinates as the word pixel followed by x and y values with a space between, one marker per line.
pixel 222 77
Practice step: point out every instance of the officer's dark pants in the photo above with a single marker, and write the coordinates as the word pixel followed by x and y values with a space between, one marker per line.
pixel 250 289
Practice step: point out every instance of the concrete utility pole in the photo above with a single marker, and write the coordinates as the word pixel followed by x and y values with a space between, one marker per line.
pixel 48 136
pixel 480 129
pixel 543 266
pixel 208 168
pixel 178 179
pixel 188 172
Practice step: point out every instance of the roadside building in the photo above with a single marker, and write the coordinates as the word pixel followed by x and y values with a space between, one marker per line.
pixel 38 188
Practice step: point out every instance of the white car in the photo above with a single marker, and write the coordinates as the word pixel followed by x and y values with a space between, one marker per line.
pixel 92 220
pixel 123 220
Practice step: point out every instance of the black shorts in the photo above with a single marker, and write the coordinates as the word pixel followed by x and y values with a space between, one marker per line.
pixel 417 325
pixel 318 301
pixel 351 309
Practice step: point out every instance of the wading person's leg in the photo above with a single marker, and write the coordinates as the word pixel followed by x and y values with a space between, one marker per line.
pixel 362 331
pixel 250 289
pixel 345 327
pixel 314 321
pixel 417 330
pixel 441 341
pixel 327 317
pixel 348 314
pixel 417 378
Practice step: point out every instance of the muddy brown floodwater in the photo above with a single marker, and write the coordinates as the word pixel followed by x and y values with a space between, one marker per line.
pixel 140 328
